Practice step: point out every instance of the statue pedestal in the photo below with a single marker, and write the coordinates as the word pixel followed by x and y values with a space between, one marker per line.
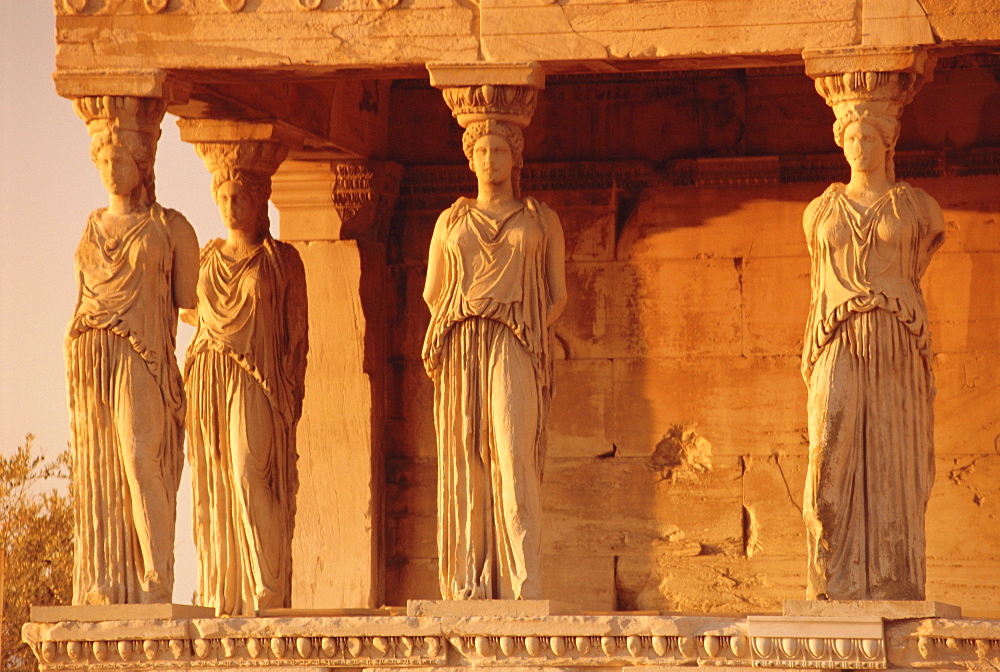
pixel 92 613
pixel 489 608
pixel 889 610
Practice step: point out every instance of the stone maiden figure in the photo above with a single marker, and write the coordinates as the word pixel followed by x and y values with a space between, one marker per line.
pixel 245 380
pixel 495 284
pixel 867 365
pixel 135 266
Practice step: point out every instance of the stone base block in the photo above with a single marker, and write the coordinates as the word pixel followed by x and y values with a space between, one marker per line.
pixel 489 608
pixel 92 613
pixel 890 610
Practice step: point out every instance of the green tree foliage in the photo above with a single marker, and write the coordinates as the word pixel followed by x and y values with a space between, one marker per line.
pixel 36 531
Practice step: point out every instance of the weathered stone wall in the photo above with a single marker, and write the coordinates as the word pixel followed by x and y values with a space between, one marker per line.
pixel 677 446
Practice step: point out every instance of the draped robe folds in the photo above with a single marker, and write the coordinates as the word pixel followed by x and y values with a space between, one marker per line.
pixel 127 407
pixel 488 351
pixel 867 366
pixel 244 374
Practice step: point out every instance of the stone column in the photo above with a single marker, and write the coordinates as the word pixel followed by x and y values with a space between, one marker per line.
pixel 490 462
pixel 870 408
pixel 336 212
pixel 136 265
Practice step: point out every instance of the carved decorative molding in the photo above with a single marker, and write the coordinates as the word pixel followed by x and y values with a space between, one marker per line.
pixel 155 6
pixel 363 195
pixel 515 104
pixel 577 642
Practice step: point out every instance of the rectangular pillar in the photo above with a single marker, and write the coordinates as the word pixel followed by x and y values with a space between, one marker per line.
pixel 335 213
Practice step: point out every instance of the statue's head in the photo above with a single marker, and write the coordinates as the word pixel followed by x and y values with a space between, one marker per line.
pixel 242 198
pixel 495 150
pixel 124 131
pixel 868 140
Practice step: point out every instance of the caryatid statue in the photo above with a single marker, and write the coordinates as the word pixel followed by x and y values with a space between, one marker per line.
pixel 136 265
pixel 867 353
pixel 245 375
pixel 495 284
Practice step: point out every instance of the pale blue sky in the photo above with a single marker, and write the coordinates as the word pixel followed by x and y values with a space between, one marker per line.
pixel 47 188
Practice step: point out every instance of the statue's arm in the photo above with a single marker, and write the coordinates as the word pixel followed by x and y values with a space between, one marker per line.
pixel 185 263
pixel 297 325
pixel 435 260
pixel 555 267
pixel 808 217
pixel 934 236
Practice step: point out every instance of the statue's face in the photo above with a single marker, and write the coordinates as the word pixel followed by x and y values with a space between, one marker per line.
pixel 118 169
pixel 864 147
pixel 237 204
pixel 492 159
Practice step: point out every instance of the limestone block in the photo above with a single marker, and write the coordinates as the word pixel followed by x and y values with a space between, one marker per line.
pixel 410 236
pixel 964 311
pixel 962 19
pixel 590 232
pixel 486 609
pixel 668 115
pixel 616 505
pixel 409 313
pixel 412 535
pixel 784 115
pixel 410 425
pixel 586 582
pixel 676 308
pixel 335 548
pixel 742 405
pixel 737 222
pixel 584 331
pixel 201 34
pixel 880 609
pixel 720 583
pixel 772 511
pixel 965 500
pixel 775 304
pixel 970 210
pixel 414 487
pixel 412 579
pixel 590 30
pixel 968 394
pixel 125 612
pixel 936 122
pixel 581 416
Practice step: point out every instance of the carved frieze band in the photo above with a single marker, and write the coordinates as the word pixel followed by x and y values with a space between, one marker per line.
pixel 149 654
pixel 726 648
pixel 430 184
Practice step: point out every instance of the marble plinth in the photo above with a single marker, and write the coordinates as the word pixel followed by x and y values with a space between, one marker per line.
pixel 884 609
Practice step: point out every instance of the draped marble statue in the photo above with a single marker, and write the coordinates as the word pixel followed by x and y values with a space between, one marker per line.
pixel 867 365
pixel 135 266
pixel 244 376
pixel 495 284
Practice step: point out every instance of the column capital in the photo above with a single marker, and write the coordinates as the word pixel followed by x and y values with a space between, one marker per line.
pixel 336 199
pixel 480 91
pixel 230 147
pixel 140 83
pixel 874 80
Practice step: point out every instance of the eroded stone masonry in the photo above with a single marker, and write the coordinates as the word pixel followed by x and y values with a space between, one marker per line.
pixel 709 327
